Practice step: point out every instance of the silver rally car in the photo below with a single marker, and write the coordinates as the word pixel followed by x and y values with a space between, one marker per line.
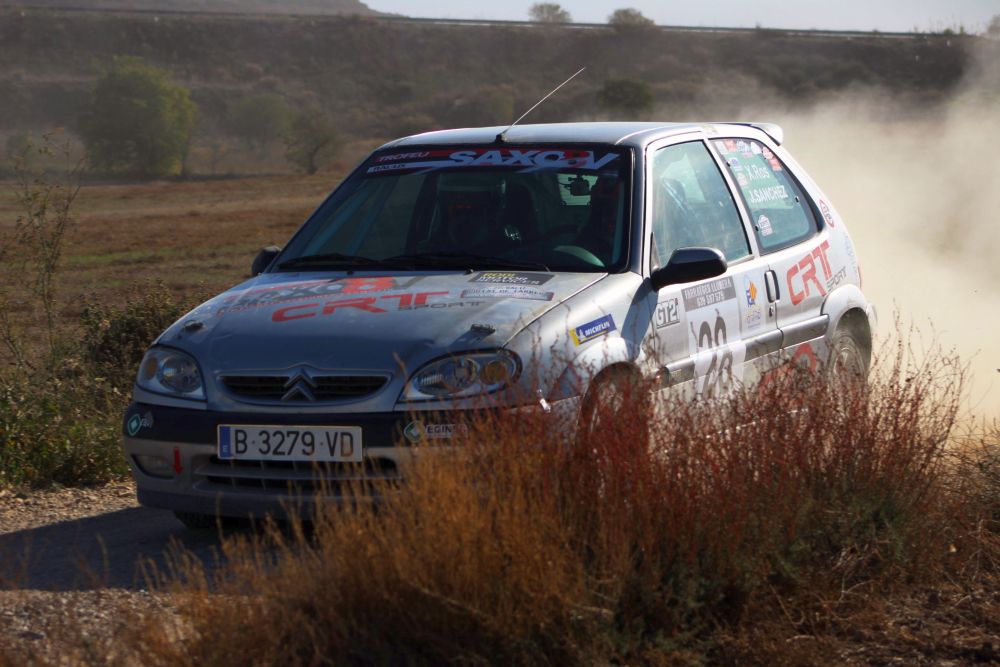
pixel 526 269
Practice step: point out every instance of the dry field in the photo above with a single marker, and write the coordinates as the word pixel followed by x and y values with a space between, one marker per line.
pixel 196 237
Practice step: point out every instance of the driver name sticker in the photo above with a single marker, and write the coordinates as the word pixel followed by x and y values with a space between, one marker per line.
pixel 594 329
pixel 507 292
pixel 511 278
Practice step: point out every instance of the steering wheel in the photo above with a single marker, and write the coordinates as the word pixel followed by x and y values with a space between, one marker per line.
pixel 581 254
pixel 561 229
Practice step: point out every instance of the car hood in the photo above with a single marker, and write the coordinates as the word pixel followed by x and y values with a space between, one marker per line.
pixel 375 322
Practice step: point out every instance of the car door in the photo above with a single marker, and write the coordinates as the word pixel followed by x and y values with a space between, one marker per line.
pixel 799 275
pixel 706 330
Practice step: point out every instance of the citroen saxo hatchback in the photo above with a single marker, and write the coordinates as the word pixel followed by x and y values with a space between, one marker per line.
pixel 526 269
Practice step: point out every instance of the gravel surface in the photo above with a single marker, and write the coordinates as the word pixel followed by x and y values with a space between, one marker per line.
pixel 70 565
pixel 20 510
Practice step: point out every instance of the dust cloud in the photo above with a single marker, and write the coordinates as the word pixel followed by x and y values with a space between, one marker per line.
pixel 920 192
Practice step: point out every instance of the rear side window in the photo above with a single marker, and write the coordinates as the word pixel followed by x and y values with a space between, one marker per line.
pixel 777 207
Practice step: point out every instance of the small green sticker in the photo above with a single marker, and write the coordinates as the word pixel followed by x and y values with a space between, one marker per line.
pixel 414 432
pixel 134 424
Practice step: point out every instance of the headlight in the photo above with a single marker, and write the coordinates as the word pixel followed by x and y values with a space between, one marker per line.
pixel 171 372
pixel 463 375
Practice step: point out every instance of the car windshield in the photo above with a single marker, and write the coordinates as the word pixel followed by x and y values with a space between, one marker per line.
pixel 556 208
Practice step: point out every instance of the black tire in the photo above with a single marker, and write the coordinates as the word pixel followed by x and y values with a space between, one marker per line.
pixel 848 360
pixel 194 521
pixel 619 397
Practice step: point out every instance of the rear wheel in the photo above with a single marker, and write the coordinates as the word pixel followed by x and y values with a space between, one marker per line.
pixel 847 358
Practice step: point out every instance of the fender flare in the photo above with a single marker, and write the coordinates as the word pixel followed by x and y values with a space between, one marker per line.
pixel 844 299
pixel 581 370
pixel 847 306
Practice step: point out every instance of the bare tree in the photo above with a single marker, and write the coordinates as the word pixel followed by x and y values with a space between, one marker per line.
pixel 549 12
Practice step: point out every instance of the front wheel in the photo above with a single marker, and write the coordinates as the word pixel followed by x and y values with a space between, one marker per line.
pixel 615 410
pixel 195 521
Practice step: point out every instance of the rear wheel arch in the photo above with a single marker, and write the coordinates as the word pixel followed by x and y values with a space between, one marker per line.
pixel 855 322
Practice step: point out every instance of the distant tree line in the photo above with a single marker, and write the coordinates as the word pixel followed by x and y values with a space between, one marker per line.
pixel 551 12
pixel 138 123
pixel 250 95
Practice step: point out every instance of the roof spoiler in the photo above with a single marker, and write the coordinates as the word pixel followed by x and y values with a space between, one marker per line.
pixel 772 130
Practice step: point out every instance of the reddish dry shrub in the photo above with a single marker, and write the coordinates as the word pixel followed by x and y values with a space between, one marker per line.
pixel 519 547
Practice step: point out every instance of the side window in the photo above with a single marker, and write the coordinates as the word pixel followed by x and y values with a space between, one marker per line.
pixel 776 205
pixel 692 206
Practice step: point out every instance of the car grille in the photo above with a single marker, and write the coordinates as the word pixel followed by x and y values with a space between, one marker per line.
pixel 296 477
pixel 324 387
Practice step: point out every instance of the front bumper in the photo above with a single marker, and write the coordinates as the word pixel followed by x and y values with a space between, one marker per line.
pixel 191 478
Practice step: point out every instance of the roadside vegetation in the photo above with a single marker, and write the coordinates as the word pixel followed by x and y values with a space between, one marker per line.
pixel 64 381
pixel 757 530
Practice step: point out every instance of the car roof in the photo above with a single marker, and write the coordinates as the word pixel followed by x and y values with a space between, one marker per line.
pixel 618 133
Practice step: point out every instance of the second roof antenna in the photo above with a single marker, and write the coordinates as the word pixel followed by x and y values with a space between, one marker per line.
pixel 502 137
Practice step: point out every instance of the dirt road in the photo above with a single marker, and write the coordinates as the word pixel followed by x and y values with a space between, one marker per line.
pixel 87 539
pixel 73 564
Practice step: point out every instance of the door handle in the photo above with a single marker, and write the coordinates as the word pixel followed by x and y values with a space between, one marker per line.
pixel 771 283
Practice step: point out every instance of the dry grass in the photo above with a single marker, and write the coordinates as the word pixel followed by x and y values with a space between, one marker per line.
pixel 746 532
pixel 196 237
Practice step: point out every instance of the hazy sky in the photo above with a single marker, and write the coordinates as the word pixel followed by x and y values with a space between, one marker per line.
pixel 886 15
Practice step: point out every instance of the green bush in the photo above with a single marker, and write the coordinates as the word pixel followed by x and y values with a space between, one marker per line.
pixel 137 122
pixel 64 429
pixel 115 337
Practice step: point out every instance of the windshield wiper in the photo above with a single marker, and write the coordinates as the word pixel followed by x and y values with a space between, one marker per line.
pixel 465 260
pixel 332 259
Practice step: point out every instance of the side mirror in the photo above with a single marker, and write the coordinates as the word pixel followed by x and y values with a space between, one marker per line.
pixel 263 259
pixel 687 265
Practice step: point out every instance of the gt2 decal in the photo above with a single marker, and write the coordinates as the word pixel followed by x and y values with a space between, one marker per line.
pixel 803 274
pixel 667 313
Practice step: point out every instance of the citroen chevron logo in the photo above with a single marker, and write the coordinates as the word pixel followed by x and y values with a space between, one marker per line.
pixel 300 387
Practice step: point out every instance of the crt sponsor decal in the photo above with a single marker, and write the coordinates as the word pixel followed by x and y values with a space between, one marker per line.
pixel 591 330
pixel 369 304
pixel 802 278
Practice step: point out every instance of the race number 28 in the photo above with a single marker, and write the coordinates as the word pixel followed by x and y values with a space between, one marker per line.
pixel 718 379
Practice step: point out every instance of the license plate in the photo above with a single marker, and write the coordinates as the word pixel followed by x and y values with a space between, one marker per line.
pixel 289 443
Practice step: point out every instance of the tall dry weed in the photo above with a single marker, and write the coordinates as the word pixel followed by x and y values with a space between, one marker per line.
pixel 631 544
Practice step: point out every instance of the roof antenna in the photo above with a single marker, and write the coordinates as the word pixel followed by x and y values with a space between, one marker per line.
pixel 502 137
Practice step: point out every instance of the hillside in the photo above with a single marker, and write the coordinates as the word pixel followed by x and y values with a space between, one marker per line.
pixel 380 78
pixel 226 6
